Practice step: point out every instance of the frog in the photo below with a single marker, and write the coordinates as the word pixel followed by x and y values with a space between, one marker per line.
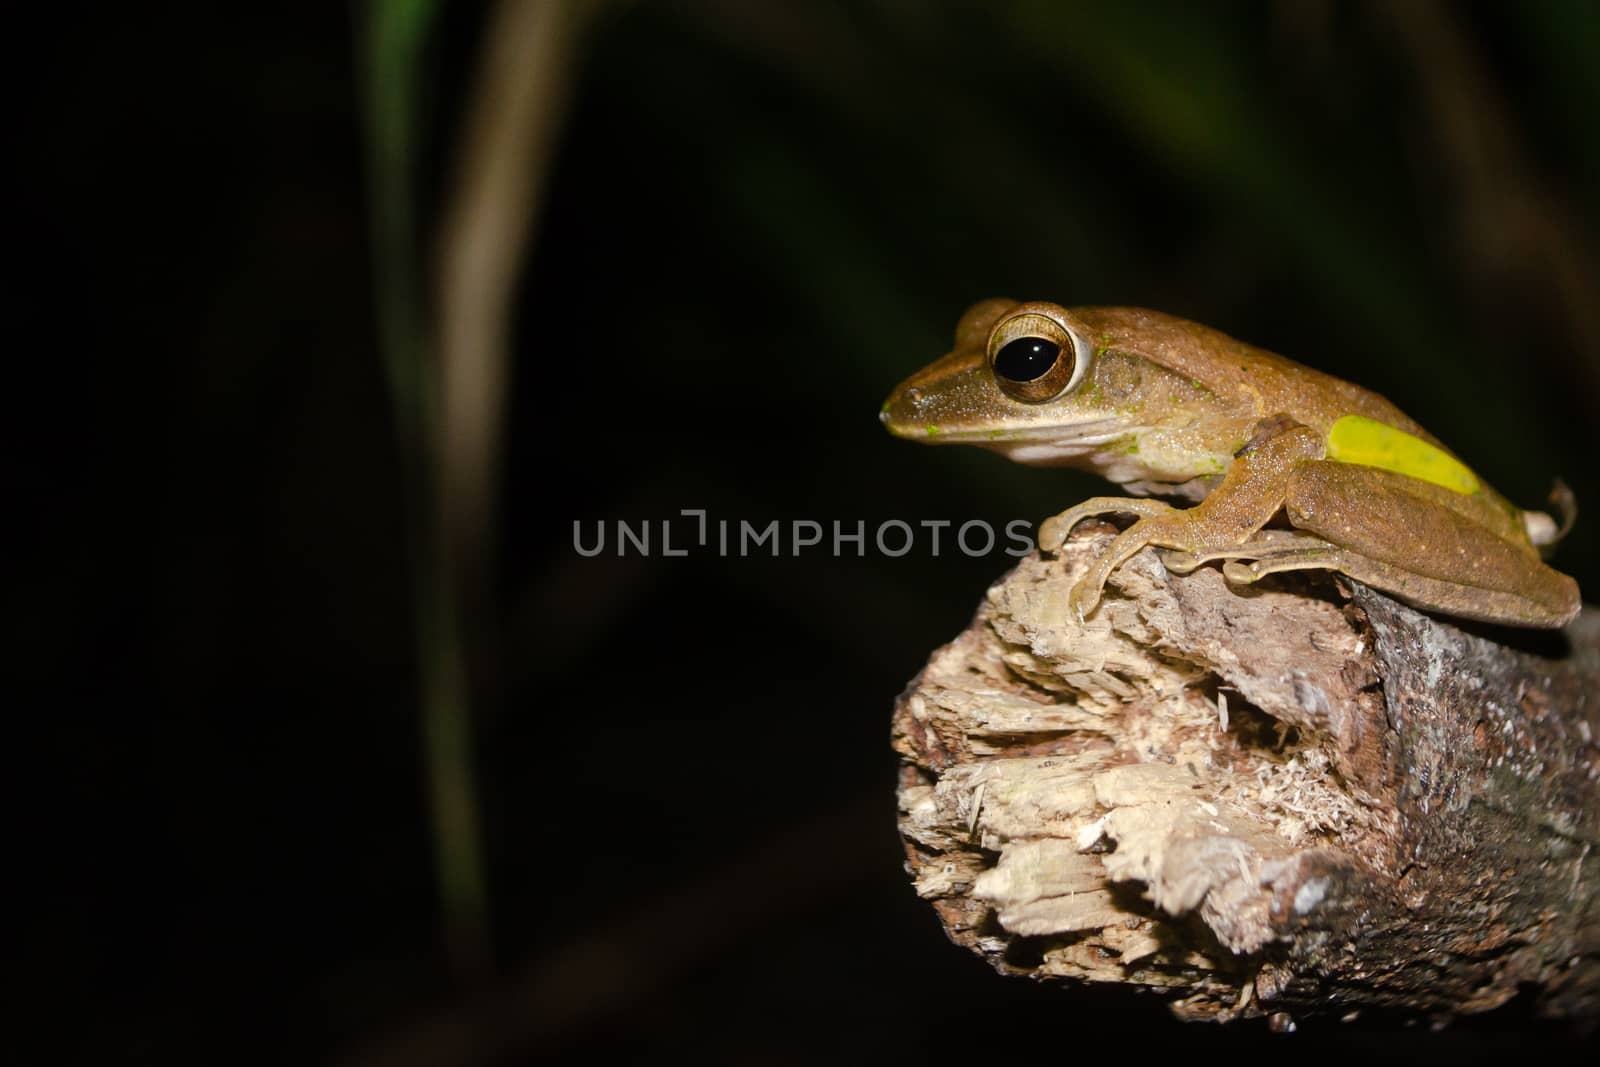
pixel 1234 455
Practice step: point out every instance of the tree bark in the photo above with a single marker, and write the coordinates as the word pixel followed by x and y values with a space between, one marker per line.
pixel 1298 797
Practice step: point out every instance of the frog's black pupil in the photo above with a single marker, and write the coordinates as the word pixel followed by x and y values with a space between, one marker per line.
pixel 1026 358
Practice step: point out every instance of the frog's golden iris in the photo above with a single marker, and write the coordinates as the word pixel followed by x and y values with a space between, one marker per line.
pixel 1034 357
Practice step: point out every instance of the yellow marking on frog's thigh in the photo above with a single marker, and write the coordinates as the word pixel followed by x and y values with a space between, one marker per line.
pixel 1369 443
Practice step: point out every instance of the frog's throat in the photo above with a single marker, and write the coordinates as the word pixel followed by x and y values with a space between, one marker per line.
pixel 1061 444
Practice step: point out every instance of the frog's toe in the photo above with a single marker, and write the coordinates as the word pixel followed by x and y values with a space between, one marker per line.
pixel 1083 599
pixel 1238 573
pixel 1180 562
pixel 1053 534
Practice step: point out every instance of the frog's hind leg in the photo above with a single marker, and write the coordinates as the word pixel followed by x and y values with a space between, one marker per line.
pixel 1436 549
pixel 1419 590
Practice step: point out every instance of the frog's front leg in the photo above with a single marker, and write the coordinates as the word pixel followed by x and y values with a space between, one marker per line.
pixel 1250 494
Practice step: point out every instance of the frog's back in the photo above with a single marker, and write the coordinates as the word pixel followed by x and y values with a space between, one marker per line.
pixel 1269 384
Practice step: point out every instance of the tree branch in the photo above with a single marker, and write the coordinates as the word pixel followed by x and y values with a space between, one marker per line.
pixel 1299 797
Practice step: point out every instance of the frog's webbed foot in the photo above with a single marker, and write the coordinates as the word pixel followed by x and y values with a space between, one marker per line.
pixel 1054 530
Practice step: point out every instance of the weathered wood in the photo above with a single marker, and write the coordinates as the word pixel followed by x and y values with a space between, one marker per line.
pixel 1299 797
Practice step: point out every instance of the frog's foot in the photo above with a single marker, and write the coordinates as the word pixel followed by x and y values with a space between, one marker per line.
pixel 1166 527
pixel 1271 552
pixel 1054 530
pixel 1084 598
pixel 1190 544
pixel 1310 559
pixel 1266 544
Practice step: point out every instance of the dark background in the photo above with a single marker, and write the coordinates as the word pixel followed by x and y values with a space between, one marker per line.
pixel 758 218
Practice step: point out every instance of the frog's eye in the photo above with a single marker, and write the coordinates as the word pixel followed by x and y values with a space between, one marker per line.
pixel 1034 358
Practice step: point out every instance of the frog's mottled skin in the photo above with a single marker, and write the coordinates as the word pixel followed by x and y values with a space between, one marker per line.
pixel 1173 408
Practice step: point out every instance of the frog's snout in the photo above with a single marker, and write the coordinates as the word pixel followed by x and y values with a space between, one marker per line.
pixel 898 413
pixel 941 397
pixel 892 418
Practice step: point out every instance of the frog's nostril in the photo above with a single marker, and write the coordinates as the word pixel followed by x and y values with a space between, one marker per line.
pixel 914 395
